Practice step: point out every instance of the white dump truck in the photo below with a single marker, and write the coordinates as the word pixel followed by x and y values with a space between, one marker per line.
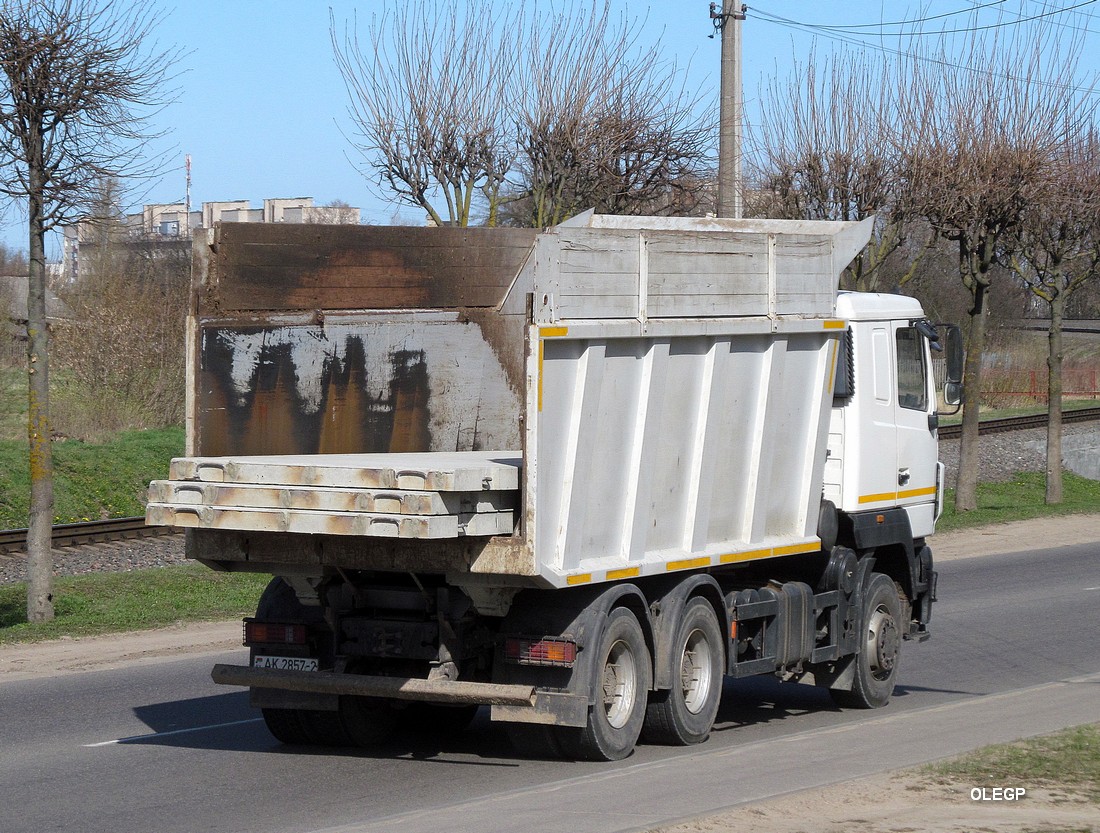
pixel 578 476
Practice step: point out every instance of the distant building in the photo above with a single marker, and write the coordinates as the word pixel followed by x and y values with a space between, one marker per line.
pixel 171 224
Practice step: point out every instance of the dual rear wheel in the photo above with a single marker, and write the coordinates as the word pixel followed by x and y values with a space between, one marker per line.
pixel 685 713
pixel 626 708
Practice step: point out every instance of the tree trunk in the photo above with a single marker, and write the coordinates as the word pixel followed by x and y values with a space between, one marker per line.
pixel 966 488
pixel 40 521
pixel 1054 400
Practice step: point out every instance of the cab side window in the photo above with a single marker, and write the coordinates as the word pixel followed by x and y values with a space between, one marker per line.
pixel 912 372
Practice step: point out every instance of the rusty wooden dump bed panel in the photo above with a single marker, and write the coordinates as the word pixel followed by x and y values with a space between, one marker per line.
pixel 350 339
pixel 306 340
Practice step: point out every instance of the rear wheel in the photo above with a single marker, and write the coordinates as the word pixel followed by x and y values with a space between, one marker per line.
pixel 305 727
pixel 685 713
pixel 876 664
pixel 624 674
pixel 287 726
pixel 368 721
pixel 437 718
pixel 534 740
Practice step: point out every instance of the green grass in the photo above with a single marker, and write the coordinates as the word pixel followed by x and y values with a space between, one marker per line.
pixel 91 481
pixel 1069 759
pixel 1021 498
pixel 104 603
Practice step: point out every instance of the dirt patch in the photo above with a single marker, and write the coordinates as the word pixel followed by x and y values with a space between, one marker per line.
pixel 67 656
pixel 905 802
pixel 1017 536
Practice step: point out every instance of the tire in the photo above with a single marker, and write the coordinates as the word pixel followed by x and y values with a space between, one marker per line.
pixel 287 726
pixel 296 727
pixel 624 674
pixel 325 728
pixel 876 664
pixel 685 713
pixel 533 740
pixel 437 718
pixel 368 721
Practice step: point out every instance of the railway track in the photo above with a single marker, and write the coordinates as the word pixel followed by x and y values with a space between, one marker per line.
pixel 116 529
pixel 88 532
pixel 1020 423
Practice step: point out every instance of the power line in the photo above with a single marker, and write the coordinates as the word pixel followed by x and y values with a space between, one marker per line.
pixel 834 33
pixel 853 26
pixel 911 29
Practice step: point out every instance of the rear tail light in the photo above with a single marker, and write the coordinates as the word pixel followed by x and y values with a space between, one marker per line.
pixel 549 651
pixel 273 633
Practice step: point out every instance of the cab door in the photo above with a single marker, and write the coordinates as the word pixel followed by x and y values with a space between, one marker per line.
pixel 914 407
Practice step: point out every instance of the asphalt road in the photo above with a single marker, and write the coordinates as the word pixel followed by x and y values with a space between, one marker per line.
pixel 159 748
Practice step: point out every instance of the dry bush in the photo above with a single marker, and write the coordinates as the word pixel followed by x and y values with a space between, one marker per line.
pixel 11 351
pixel 120 361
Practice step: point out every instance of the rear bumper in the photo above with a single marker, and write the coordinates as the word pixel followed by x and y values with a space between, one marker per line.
pixel 512 703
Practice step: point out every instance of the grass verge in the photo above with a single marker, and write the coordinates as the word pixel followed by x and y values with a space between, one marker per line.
pixel 91 481
pixel 1067 760
pixel 1020 499
pixel 102 603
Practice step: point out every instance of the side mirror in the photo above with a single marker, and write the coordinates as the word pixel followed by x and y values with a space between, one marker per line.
pixel 953 387
pixel 954 355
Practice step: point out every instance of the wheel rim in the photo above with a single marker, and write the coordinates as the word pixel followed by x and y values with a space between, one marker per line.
pixel 620 684
pixel 883 643
pixel 695 671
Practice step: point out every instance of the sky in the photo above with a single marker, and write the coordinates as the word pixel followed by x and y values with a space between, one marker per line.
pixel 262 108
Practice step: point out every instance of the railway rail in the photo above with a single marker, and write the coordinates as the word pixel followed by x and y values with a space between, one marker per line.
pixel 87 532
pixel 1020 423
pixel 116 529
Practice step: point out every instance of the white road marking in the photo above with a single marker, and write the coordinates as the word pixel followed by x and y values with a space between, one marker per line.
pixel 173 732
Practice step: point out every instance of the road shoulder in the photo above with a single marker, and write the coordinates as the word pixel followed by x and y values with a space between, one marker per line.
pixel 37 660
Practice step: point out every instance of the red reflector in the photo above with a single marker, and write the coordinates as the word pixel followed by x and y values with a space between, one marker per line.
pixel 274 633
pixel 546 651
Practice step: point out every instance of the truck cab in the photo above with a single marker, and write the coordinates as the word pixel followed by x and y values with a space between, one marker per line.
pixel 884 408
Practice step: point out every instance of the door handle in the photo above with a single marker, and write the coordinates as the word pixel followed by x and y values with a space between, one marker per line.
pixel 903 477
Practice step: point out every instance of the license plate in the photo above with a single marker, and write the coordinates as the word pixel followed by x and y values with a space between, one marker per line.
pixel 286 663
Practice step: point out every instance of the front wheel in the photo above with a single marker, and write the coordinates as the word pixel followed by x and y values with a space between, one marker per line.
pixel 624 675
pixel 876 664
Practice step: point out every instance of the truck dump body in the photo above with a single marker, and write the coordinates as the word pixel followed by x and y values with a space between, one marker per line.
pixel 666 382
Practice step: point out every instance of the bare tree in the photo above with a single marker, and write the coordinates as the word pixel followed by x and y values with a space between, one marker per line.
pixel 80 78
pixel 606 123
pixel 475 105
pixel 977 127
pixel 823 151
pixel 429 101
pixel 1057 253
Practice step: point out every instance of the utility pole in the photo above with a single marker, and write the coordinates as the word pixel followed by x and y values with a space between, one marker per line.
pixel 728 23
pixel 187 199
